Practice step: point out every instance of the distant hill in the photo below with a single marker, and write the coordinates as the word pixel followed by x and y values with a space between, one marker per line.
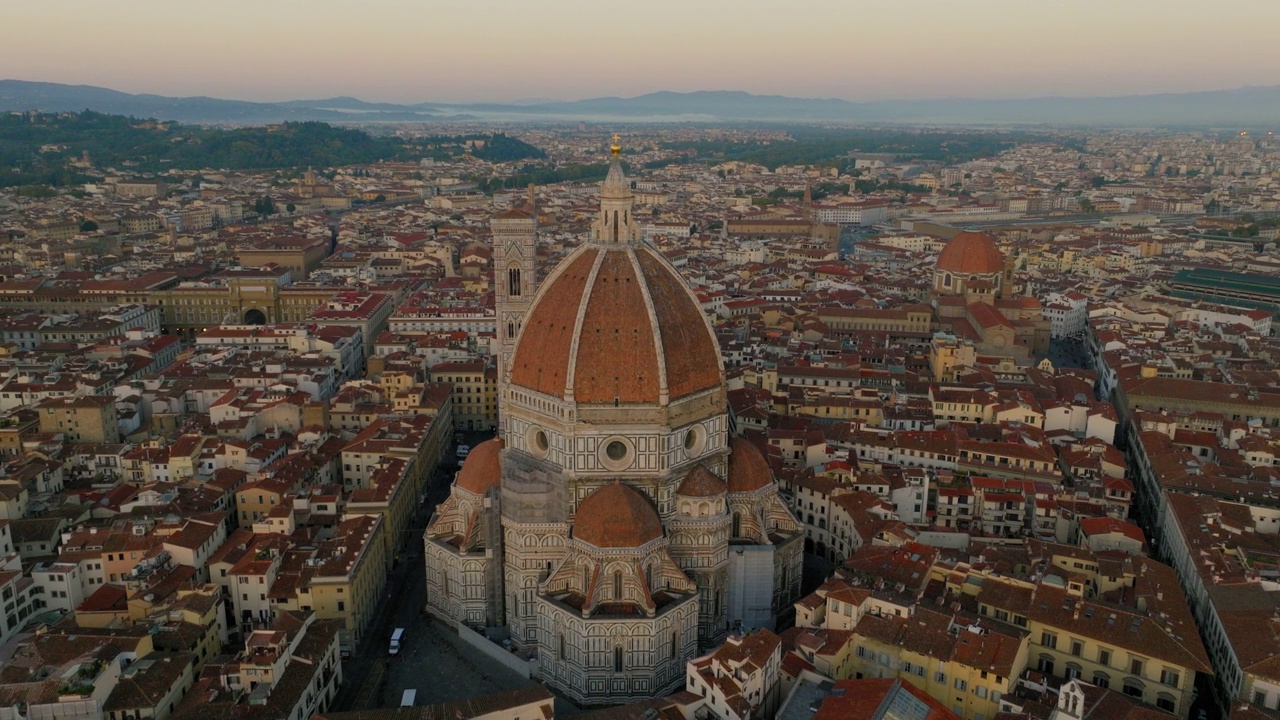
pixel 53 97
pixel 35 148
pixel 1246 107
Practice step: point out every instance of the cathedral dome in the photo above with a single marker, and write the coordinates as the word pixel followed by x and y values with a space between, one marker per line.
pixel 617 516
pixel 481 470
pixel 971 253
pixel 748 469
pixel 616 324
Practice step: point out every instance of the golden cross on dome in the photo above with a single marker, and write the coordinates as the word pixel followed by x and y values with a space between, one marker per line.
pixel 616 147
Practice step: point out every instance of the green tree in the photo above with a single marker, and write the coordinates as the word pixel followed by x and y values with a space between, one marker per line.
pixel 88 226
pixel 291 207
pixel 1098 181
pixel 36 191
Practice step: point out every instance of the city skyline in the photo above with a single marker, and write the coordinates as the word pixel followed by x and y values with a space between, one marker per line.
pixel 511 52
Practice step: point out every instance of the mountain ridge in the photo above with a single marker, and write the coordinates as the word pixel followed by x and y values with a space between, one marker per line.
pixel 1251 105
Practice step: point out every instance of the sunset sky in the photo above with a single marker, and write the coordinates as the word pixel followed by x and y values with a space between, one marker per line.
pixel 509 50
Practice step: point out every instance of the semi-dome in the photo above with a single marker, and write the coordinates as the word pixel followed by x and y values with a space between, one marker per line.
pixel 971 253
pixel 482 469
pixel 748 469
pixel 616 516
pixel 616 324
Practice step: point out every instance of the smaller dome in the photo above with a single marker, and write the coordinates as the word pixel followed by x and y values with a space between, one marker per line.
pixel 482 469
pixel 617 516
pixel 748 469
pixel 971 253
pixel 701 482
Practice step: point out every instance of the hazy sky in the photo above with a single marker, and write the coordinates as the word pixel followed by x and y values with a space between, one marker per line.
pixel 466 50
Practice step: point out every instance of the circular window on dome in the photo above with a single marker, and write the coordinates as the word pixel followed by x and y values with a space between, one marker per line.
pixel 616 453
pixel 695 440
pixel 537 442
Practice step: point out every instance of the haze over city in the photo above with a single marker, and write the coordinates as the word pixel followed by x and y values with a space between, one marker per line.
pixel 503 50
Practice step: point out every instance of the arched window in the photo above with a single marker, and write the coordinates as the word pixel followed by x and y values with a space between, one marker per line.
pixel 737 524
pixel 513 282
pixel 673 646
pixel 561 646
pixel 946 280
pixel 617 659
pixel 615 226
pixel 511 330
pixel 617 585
pixel 1102 680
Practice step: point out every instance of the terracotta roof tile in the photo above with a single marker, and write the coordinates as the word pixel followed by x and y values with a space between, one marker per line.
pixel 971 252
pixel 748 470
pixel 617 516
pixel 482 469
pixel 701 482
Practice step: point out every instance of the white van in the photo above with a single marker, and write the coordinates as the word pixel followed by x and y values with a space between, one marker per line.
pixel 463 451
pixel 397 637
pixel 406 700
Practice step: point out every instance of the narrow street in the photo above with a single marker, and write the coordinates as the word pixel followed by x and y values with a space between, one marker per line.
pixel 434 660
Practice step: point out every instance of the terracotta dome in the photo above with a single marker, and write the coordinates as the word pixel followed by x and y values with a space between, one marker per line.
pixel 748 469
pixel 616 324
pixel 482 469
pixel 700 482
pixel 617 516
pixel 971 253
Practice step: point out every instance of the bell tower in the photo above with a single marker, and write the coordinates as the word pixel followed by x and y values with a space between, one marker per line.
pixel 515 249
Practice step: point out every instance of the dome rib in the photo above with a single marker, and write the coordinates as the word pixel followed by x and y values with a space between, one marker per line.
pixel 691 363
pixel 664 390
pixel 615 358
pixel 540 367
pixel 617 324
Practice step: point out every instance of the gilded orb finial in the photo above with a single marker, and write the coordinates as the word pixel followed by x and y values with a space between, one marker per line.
pixel 616 148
